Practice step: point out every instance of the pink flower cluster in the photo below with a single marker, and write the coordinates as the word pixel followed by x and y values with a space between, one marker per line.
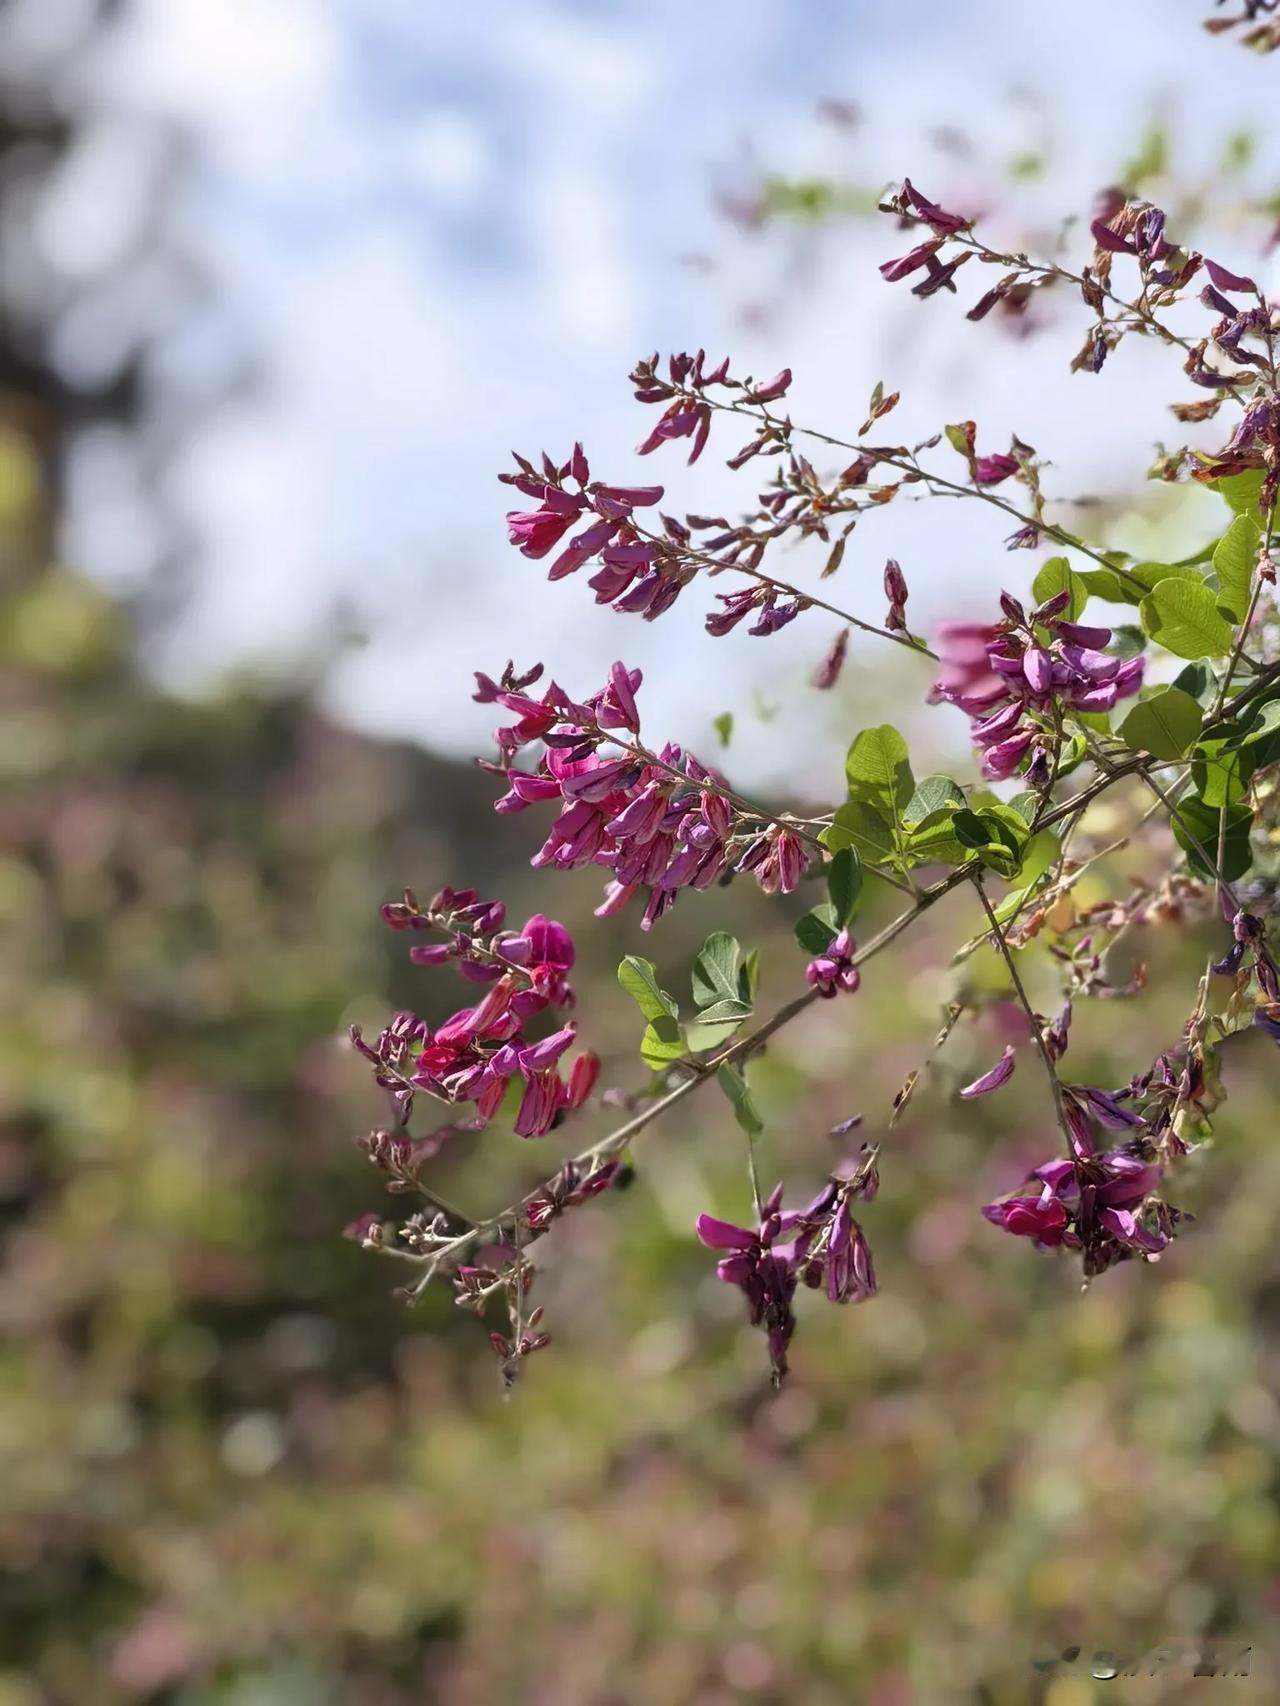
pixel 834 968
pixel 1009 680
pixel 478 1051
pixel 630 577
pixel 660 821
pixel 1094 1203
pixel 821 1245
pixel 642 571
pixel 688 413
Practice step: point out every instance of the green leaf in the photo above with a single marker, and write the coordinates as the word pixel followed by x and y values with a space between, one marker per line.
pixel 1202 822
pixel 663 1044
pixel 997 834
pixel 1127 640
pixel 720 1012
pixel 723 725
pixel 1241 491
pixel 971 831
pixel 934 842
pixel 1107 585
pixel 878 765
pixel 1073 754
pixel 1098 722
pixel 932 794
pixel 1013 826
pixel 1166 725
pixel 749 977
pixel 844 882
pixel 1184 619
pixel 1234 561
pixel 1026 804
pixel 1041 855
pixel 701 1037
pixel 1222 771
pixel 817 929
pixel 734 1085
pixel 715 971
pixel 1198 680
pixel 860 825
pixel 640 981
pixel 1055 576
pixel 1264 723
pixel 1151 574
pixel 1038 855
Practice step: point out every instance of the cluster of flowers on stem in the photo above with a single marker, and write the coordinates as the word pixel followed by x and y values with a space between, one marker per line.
pixel 1239 349
pixel 657 821
pixel 1015 678
pixel 478 1051
pixel 1036 686
pixel 820 1246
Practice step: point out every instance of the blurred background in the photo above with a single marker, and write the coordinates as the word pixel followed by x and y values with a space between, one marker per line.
pixel 281 285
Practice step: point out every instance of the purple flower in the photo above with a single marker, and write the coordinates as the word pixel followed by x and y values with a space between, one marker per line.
pixel 997 674
pixel 1101 1205
pixel 895 590
pixel 1227 280
pixel 1003 759
pixel 824 1246
pixel 850 1273
pixel 910 262
pixel 828 671
pixel 944 223
pixel 991 470
pixel 766 1277
pixel 773 388
pixel 1043 1218
pixel 993 1078
pixel 1037 666
pixel 834 969
pixel 537 531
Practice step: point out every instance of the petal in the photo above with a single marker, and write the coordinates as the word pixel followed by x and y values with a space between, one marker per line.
pixel 722 1234
pixel 991 1080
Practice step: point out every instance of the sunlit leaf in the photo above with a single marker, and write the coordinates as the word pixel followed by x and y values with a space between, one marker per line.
pixel 1183 617
pixel 1234 560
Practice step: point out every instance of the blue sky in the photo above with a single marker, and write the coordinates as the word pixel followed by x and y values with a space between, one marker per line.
pixel 447 232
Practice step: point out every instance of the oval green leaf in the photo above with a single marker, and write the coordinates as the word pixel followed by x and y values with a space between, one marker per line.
pixel 1183 617
pixel 1166 725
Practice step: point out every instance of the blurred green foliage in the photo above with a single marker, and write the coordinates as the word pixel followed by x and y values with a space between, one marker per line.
pixel 234 1473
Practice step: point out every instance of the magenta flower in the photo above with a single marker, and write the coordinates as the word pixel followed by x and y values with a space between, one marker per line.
pixel 833 970
pixel 772 389
pixel 824 1247
pixel 1042 1218
pixel 1102 1205
pixel 992 1079
pixel 765 1276
pixel 991 470
pixel 538 531
pixel 895 590
pixel 1008 681
pixel 910 202
pixel 911 262
pixel 828 671
pixel 476 1052
pixel 850 1274
pixel 657 821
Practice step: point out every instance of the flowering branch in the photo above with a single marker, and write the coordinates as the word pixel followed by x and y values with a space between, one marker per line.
pixel 1061 707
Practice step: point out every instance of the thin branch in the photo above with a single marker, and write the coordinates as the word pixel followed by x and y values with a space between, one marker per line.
pixel 1033 1018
